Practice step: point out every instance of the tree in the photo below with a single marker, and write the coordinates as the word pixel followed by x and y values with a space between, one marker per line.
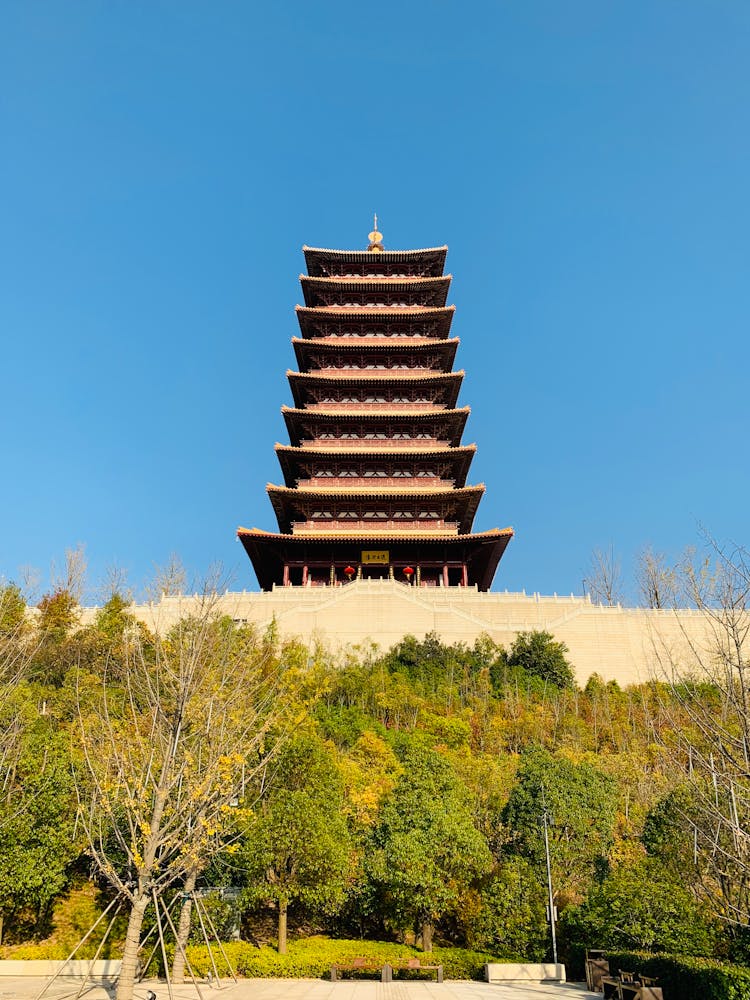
pixel 657 581
pixel 603 579
pixel 511 921
pixel 539 655
pixel 161 755
pixel 296 847
pixel 12 610
pixel 708 687
pixel 640 906
pixel 425 847
pixel 37 842
pixel 582 802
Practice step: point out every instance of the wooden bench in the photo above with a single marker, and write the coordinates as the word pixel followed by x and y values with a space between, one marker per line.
pixel 630 986
pixel 413 965
pixel 360 965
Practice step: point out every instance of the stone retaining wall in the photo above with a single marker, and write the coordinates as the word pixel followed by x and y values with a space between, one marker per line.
pixel 617 643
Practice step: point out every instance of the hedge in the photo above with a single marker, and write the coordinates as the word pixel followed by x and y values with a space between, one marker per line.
pixel 685 978
pixel 312 958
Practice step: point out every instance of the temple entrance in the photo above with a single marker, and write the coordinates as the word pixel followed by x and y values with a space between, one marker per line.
pixel 374 572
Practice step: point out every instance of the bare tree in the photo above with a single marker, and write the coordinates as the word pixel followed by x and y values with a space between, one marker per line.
pixel 72 579
pixel 708 675
pixel 604 577
pixel 170 579
pixel 656 580
pixel 163 753
pixel 116 583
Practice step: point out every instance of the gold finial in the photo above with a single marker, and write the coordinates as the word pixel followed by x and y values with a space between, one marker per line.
pixel 375 238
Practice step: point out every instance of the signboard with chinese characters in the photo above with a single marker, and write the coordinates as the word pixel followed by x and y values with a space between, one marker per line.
pixel 375 557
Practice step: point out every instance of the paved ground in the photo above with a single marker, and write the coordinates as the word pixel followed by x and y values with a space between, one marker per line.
pixel 303 989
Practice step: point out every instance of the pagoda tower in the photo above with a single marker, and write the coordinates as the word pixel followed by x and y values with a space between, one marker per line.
pixel 375 472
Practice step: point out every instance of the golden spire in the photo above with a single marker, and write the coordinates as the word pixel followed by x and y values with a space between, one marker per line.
pixel 375 238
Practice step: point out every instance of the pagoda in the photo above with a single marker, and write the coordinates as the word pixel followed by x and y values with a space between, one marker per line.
pixel 374 476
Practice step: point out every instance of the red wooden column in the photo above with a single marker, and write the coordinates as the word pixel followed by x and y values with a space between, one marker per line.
pixel 304 575
pixel 464 575
pixel 445 574
pixel 286 574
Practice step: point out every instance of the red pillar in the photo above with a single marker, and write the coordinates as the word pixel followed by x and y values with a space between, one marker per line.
pixel 464 575
pixel 286 574
pixel 304 575
pixel 445 574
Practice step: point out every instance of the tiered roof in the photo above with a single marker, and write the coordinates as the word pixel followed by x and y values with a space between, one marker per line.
pixel 375 455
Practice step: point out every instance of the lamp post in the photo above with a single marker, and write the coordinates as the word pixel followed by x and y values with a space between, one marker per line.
pixel 546 819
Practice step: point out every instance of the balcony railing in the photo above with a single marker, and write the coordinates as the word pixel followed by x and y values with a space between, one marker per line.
pixel 374 482
pixel 376 444
pixel 398 525
pixel 378 406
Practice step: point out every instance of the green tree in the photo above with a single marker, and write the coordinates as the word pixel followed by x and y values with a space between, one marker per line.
pixel 641 906
pixel 425 848
pixel 12 610
pixel 582 803
pixel 512 921
pixel 36 829
pixel 296 847
pixel 541 656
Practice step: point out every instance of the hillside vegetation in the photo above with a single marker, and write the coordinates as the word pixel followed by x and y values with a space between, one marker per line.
pixel 390 796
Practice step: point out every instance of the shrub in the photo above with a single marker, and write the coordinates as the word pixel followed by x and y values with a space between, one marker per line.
pixel 511 919
pixel 640 905
pixel 313 958
pixel 539 655
pixel 684 978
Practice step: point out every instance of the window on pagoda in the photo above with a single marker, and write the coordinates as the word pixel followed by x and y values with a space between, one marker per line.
pixel 323 474
pixel 321 515
pixel 326 435
pixel 403 474
pixel 425 515
pixel 425 474
pixel 403 515
pixel 375 515
pixel 350 435
pixel 375 473
pixel 348 515
pixel 375 436
pixel 348 474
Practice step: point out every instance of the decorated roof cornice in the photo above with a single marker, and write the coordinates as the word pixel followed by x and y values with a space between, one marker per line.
pixel 384 254
pixel 359 536
pixel 371 282
pixel 378 415
pixel 446 451
pixel 389 312
pixel 415 343
pixel 365 492
pixel 377 378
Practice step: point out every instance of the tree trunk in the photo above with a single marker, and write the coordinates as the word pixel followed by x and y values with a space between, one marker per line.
pixel 126 979
pixel 283 904
pixel 427 929
pixel 183 929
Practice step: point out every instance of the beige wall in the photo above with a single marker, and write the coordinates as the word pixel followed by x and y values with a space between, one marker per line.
pixel 617 643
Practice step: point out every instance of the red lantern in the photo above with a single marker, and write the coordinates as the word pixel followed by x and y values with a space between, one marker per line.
pixel 408 571
pixel 349 571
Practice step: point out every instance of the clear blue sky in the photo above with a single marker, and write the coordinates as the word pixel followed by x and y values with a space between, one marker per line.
pixel 162 164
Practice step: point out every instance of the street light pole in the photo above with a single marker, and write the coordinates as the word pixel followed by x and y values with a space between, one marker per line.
pixel 545 817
